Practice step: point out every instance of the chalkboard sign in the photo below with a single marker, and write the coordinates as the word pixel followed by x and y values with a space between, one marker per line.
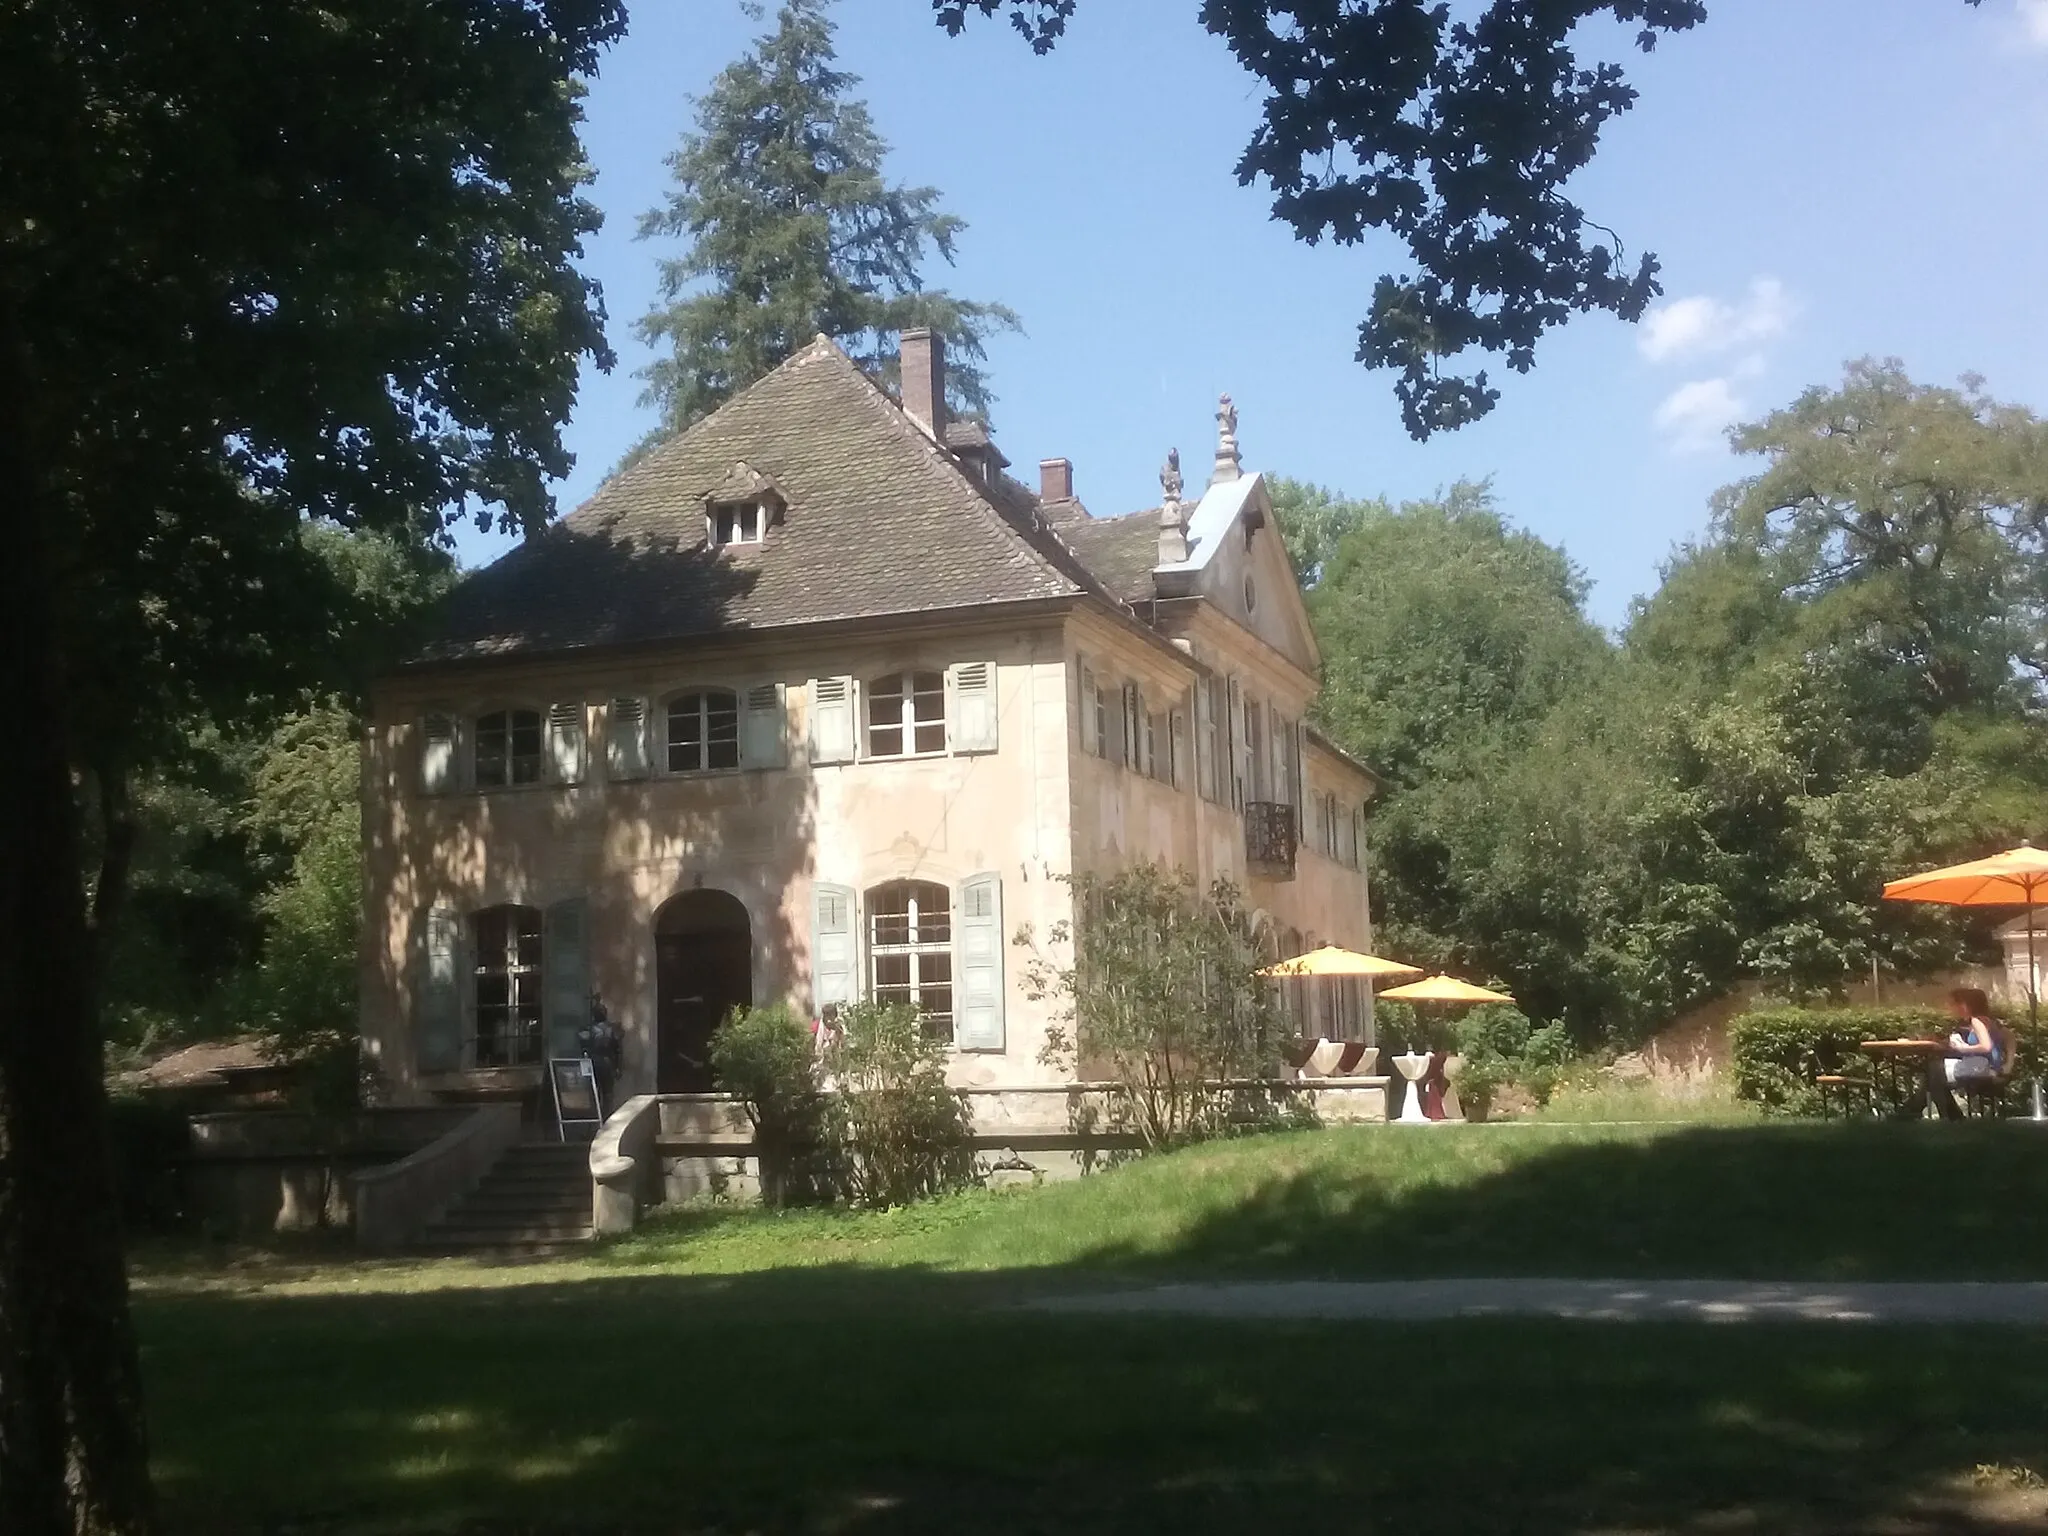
pixel 575 1083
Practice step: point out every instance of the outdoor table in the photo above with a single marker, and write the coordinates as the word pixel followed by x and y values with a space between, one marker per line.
pixel 1897 1056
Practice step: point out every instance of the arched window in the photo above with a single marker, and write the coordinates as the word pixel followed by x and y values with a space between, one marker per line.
pixel 506 1020
pixel 907 714
pixel 910 950
pixel 508 748
pixel 703 731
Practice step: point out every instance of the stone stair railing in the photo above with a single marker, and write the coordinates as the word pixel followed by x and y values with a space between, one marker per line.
pixel 395 1203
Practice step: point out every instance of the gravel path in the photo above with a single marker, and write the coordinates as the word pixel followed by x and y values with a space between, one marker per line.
pixel 1707 1301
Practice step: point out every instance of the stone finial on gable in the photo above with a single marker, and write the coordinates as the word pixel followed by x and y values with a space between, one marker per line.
pixel 1229 466
pixel 1173 515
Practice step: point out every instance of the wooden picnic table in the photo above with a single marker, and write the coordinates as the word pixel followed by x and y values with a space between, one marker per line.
pixel 1896 1056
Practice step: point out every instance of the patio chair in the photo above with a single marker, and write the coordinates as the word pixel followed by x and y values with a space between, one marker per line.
pixel 1835 1087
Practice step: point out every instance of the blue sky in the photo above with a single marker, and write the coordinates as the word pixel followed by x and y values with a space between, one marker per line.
pixel 1822 180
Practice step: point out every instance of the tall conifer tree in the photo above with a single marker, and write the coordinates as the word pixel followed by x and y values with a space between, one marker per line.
pixel 793 229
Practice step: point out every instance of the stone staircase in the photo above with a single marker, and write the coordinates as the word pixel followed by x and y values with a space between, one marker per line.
pixel 535 1199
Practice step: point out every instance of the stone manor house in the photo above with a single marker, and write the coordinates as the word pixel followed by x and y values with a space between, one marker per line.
pixel 816 702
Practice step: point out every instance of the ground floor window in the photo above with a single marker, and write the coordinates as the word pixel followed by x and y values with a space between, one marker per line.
pixel 506 1021
pixel 910 950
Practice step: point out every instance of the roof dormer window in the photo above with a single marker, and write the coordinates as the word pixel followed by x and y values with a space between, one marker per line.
pixel 738 522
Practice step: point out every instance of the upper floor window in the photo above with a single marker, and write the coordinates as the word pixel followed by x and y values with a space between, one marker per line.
pixel 505 1027
pixel 508 748
pixel 703 731
pixel 907 714
pixel 910 950
pixel 738 522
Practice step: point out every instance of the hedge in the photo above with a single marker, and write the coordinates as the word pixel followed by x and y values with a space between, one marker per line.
pixel 1777 1052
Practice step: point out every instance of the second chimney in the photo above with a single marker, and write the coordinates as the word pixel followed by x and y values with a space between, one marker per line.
pixel 922 361
pixel 1055 479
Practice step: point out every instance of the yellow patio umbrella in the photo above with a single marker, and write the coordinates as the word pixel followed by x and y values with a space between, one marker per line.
pixel 2017 877
pixel 1443 989
pixel 1329 960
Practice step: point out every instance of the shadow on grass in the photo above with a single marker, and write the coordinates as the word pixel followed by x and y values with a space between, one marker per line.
pixel 864 1402
pixel 849 1398
pixel 1769 1202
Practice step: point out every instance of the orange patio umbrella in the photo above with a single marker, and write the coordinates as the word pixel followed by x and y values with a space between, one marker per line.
pixel 1444 989
pixel 2017 877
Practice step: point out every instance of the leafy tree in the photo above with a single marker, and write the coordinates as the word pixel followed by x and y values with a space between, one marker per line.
pixel 795 230
pixel 1458 134
pixel 1909 518
pixel 1159 994
pixel 1314 520
pixel 260 262
pixel 1442 628
pixel 898 1131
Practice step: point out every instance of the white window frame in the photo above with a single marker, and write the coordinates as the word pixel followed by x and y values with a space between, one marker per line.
pixel 512 758
pixel 875 692
pixel 525 989
pixel 703 693
pixel 927 945
pixel 729 523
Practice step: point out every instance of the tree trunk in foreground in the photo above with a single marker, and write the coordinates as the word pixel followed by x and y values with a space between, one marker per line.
pixel 73 1458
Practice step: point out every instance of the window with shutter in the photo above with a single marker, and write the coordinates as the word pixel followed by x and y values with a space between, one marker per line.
pixel 1177 740
pixel 703 732
pixel 832 947
pixel 978 1004
pixel 437 991
pixel 507 951
pixel 1088 705
pixel 565 967
pixel 437 754
pixel 910 951
pixel 832 720
pixel 906 715
pixel 565 742
pixel 974 726
pixel 626 738
pixel 1205 744
pixel 1234 724
pixel 508 749
pixel 764 733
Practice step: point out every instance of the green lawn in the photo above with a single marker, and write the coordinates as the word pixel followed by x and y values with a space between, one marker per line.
pixel 732 1371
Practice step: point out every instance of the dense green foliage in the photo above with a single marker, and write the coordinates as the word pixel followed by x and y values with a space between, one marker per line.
pixel 1841 682
pixel 1777 1052
pixel 1156 989
pixel 793 231
pixel 768 1058
pixel 897 1132
pixel 263 264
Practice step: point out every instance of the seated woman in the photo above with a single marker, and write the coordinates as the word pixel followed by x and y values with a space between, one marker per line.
pixel 1976 1053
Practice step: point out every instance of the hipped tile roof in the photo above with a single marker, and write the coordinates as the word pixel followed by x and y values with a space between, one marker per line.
pixel 880 521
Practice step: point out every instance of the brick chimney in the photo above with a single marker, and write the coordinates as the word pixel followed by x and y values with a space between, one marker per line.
pixel 922 359
pixel 1055 479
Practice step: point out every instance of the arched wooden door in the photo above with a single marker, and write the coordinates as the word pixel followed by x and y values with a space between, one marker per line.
pixel 704 968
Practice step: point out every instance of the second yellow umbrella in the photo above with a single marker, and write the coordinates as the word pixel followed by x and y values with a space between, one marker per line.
pixel 1443 989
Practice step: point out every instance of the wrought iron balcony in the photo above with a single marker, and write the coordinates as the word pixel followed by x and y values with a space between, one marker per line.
pixel 1270 835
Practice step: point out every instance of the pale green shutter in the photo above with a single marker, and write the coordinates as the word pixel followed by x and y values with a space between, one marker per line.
pixel 626 738
pixel 978 947
pixel 832 734
pixel 1205 740
pixel 565 973
pixel 566 742
pixel 437 991
pixel 763 736
pixel 1090 702
pixel 974 725
pixel 832 946
pixel 437 754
